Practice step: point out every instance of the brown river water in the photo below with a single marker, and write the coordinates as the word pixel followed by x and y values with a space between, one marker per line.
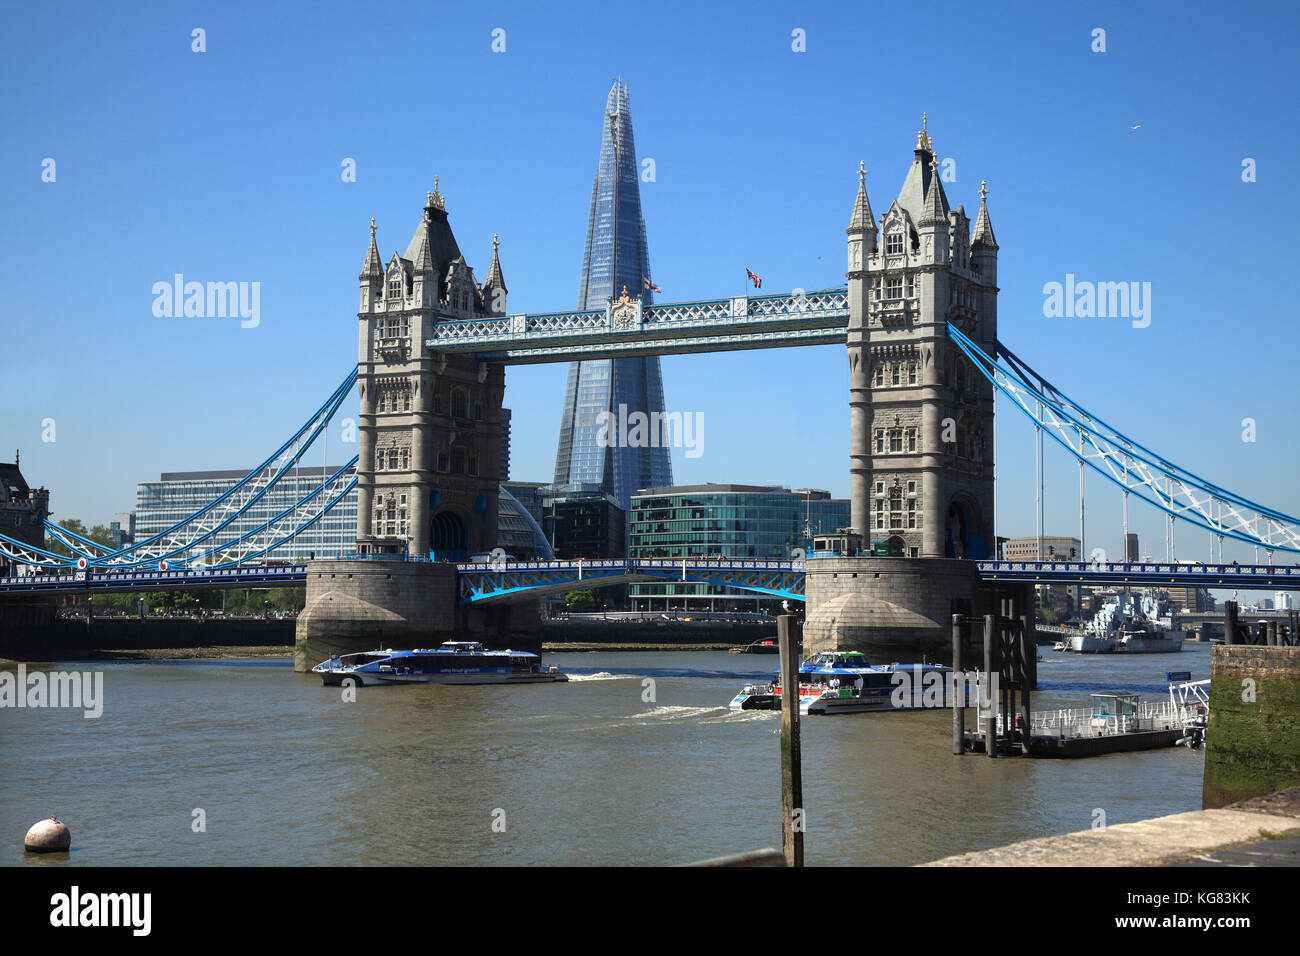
pixel 281 770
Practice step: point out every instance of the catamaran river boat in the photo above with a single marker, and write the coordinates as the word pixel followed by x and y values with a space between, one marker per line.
pixel 455 662
pixel 844 682
pixel 1129 624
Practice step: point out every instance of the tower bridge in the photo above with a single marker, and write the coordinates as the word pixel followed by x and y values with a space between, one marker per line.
pixel 918 320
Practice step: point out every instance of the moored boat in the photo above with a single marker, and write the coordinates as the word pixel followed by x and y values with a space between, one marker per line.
pixel 844 682
pixel 454 662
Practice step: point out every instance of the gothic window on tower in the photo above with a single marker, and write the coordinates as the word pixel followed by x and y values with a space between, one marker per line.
pixel 911 439
pixel 437 403
pixel 911 374
pixel 894 287
pixel 895 439
pixel 458 403
pixel 395 287
pixel 458 461
pixel 879 373
pixel 444 461
pixel 911 512
pixel 895 509
pixel 911 286
pixel 406 401
pixel 895 376
pixel 473 465
pixel 392 459
pixel 894 243
pixel 880 446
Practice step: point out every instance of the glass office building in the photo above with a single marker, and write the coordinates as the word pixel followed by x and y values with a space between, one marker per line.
pixel 616 258
pixel 749 522
pixel 176 495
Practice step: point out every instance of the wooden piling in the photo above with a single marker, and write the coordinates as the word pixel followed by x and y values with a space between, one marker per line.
pixel 1230 633
pixel 958 703
pixel 1029 674
pixel 991 720
pixel 788 633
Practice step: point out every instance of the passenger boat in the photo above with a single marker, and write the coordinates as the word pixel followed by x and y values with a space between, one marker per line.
pixel 844 682
pixel 455 662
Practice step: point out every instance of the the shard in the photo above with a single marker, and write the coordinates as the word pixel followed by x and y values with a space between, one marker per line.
pixel 616 258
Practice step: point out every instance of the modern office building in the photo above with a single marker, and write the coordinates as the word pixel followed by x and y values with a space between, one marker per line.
pixel 1055 548
pixel 176 495
pixel 750 522
pixel 616 261
pixel 160 504
pixel 123 530
pixel 504 465
pixel 585 522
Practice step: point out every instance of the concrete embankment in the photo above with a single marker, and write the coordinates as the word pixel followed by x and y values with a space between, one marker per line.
pixel 46 637
pixel 1266 826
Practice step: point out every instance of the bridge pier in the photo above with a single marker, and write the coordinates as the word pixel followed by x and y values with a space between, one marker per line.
pixel 900 609
pixel 363 605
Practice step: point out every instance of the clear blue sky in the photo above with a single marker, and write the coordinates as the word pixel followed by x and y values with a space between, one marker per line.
pixel 225 165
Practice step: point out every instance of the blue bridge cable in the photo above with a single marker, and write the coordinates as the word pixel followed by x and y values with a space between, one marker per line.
pixel 983 362
pixel 288 511
pixel 234 516
pixel 329 408
pixel 1024 372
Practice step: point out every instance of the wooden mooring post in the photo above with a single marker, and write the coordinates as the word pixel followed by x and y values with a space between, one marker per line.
pixel 958 705
pixel 1230 634
pixel 789 633
pixel 990 668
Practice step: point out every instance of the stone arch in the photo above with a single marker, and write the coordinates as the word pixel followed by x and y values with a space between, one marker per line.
pixel 448 536
pixel 963 533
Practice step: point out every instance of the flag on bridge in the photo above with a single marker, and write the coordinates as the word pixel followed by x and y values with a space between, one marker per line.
pixel 650 286
pixel 758 283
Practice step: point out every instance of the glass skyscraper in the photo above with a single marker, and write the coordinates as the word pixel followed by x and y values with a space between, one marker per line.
pixel 616 257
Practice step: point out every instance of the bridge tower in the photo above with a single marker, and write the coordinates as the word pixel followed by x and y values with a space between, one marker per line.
pixel 921 430
pixel 921 445
pixel 430 428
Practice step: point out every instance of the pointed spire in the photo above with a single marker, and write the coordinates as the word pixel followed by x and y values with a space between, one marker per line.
pixel 933 211
pixel 436 200
pixel 494 276
pixel 863 220
pixel 923 135
pixel 424 256
pixel 371 269
pixel 983 228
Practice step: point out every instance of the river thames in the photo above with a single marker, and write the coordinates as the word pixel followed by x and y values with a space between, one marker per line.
pixel 281 770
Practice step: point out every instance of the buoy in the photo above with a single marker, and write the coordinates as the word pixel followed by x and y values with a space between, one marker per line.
pixel 48 836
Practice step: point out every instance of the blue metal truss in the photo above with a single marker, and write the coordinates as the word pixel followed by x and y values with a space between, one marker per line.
pixel 1177 492
pixel 206 524
pixel 507 582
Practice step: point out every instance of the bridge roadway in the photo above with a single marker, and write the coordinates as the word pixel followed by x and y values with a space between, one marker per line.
pixel 517 581
pixel 1143 575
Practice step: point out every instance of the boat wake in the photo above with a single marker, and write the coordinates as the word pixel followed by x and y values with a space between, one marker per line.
pixel 675 713
pixel 600 675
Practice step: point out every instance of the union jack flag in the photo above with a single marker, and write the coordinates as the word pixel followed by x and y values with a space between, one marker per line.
pixel 758 283
pixel 650 286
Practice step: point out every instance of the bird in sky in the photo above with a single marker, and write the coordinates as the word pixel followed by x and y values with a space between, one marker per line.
pixel 1138 126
